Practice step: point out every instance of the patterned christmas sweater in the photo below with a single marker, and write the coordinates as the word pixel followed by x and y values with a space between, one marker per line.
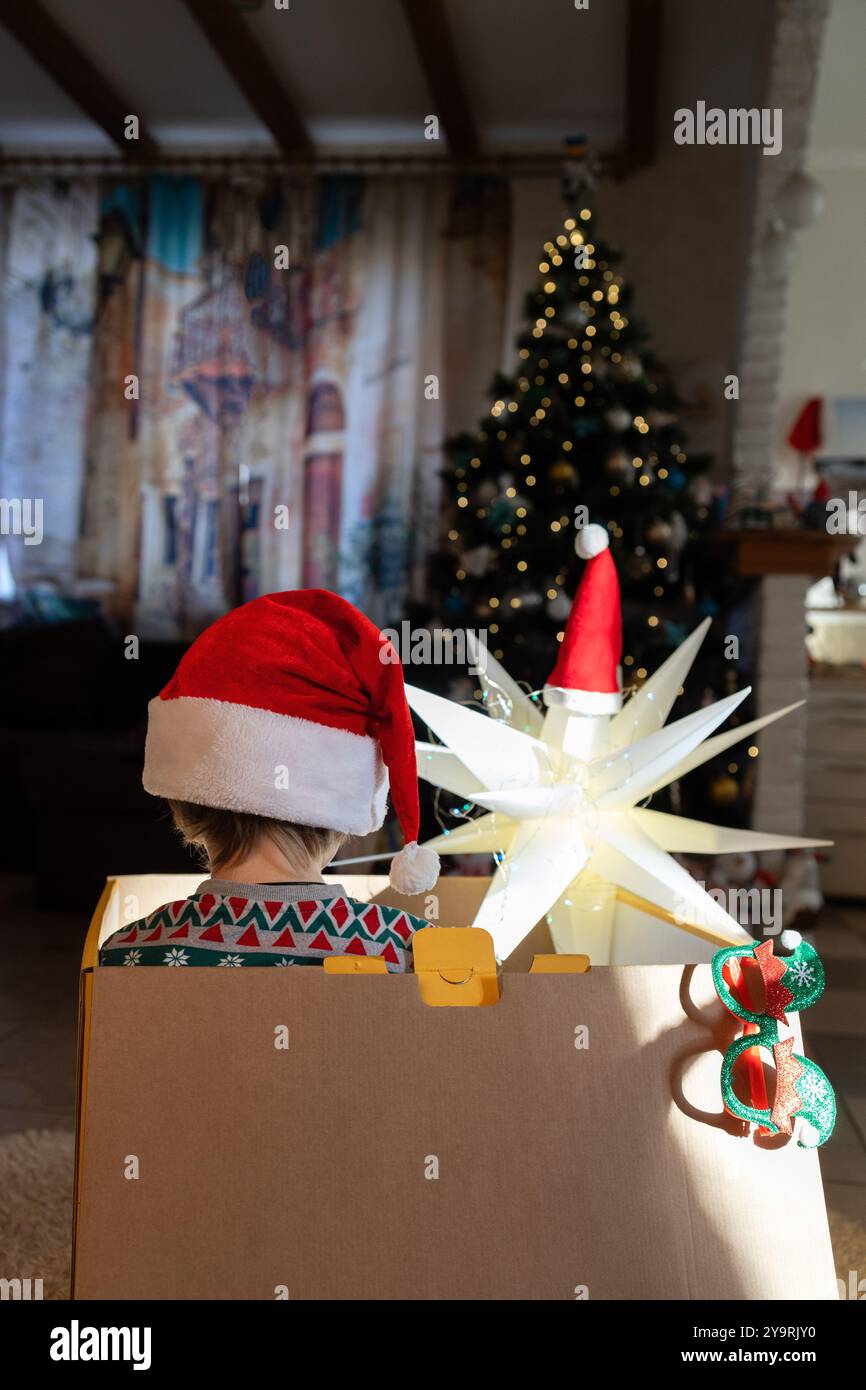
pixel 241 924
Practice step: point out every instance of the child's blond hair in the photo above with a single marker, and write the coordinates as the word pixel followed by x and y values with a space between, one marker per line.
pixel 227 837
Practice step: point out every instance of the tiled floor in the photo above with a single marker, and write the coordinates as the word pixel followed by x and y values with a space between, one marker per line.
pixel 39 957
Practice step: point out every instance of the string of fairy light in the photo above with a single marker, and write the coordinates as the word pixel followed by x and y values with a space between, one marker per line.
pixel 598 301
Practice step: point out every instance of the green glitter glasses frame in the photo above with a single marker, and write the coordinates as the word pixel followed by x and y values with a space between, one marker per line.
pixel 790 984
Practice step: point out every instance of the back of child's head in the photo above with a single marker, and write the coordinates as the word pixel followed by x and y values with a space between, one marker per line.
pixel 222 838
pixel 289 713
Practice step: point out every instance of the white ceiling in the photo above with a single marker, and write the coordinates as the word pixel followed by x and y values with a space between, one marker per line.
pixel 535 70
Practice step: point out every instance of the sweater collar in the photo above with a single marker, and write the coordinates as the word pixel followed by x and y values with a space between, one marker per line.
pixel 272 892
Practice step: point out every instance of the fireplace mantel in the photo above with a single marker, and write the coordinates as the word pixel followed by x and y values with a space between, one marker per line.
pixel 813 554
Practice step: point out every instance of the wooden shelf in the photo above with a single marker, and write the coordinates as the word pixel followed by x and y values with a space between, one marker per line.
pixel 813 553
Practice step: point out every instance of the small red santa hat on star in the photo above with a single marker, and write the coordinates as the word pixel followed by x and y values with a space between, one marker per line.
pixel 292 707
pixel 586 677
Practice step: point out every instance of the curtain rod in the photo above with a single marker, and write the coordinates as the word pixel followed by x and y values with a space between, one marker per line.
pixel 540 165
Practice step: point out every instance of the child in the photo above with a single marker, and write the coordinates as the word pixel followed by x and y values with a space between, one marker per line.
pixel 275 739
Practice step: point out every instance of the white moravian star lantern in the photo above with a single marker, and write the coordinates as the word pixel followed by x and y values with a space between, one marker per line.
pixel 563 792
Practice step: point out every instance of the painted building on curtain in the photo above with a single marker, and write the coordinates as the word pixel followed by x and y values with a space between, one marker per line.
pixel 250 420
pixel 257 392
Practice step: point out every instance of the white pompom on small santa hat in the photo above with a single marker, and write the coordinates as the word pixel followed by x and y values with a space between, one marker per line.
pixel 586 678
pixel 293 707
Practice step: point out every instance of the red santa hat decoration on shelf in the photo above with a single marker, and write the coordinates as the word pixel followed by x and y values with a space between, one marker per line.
pixel 806 433
pixel 293 707
pixel 586 677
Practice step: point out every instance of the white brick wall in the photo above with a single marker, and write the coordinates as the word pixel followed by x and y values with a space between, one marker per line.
pixel 782 674
pixel 782 677
pixel 800 26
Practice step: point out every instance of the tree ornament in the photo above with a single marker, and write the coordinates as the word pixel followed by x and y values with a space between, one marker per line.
pixel 658 531
pixel 618 465
pixel 636 566
pixel 676 545
pixel 584 426
pixel 522 598
pixel 618 418
pixel 700 490
pixel 559 608
pixel 724 790
pixel 476 562
pixel 630 368
pixel 579 171
pixel 573 316
pixel 503 509
pixel 563 791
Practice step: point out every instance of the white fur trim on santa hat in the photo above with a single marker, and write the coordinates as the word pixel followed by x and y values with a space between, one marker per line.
pixel 243 759
pixel 583 701
pixel 591 541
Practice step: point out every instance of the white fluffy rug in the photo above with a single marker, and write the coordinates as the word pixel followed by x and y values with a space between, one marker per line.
pixel 36 1173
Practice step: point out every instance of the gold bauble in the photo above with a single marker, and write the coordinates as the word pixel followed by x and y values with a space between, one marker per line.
pixel 617 464
pixel 724 790
pixel 659 531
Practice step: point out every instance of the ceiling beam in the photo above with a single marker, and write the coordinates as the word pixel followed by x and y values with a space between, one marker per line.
pixel 642 81
pixel 72 71
pixel 438 57
pixel 250 68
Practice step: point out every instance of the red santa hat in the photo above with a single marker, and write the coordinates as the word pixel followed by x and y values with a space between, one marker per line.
pixel 586 676
pixel 806 432
pixel 292 706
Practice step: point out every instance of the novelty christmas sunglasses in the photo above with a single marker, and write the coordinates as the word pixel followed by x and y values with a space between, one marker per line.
pixel 788 985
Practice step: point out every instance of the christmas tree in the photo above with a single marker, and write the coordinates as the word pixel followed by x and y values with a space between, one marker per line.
pixel 587 431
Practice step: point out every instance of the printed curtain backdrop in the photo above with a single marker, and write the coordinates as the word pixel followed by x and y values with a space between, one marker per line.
pixel 224 389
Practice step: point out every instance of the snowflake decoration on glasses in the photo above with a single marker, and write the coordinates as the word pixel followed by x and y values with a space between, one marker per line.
pixel 132 958
pixel 231 960
pixel 802 972
pixel 812 1089
pixel 176 957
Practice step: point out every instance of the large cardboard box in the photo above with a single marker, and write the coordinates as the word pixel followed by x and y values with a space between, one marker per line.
pixel 302 1134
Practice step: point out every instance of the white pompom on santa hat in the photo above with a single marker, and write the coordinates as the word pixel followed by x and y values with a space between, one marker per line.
pixel 293 707
pixel 586 678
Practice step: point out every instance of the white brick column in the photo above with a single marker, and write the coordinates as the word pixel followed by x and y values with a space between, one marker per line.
pixel 782 673
pixel 782 677
pixel 794 62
